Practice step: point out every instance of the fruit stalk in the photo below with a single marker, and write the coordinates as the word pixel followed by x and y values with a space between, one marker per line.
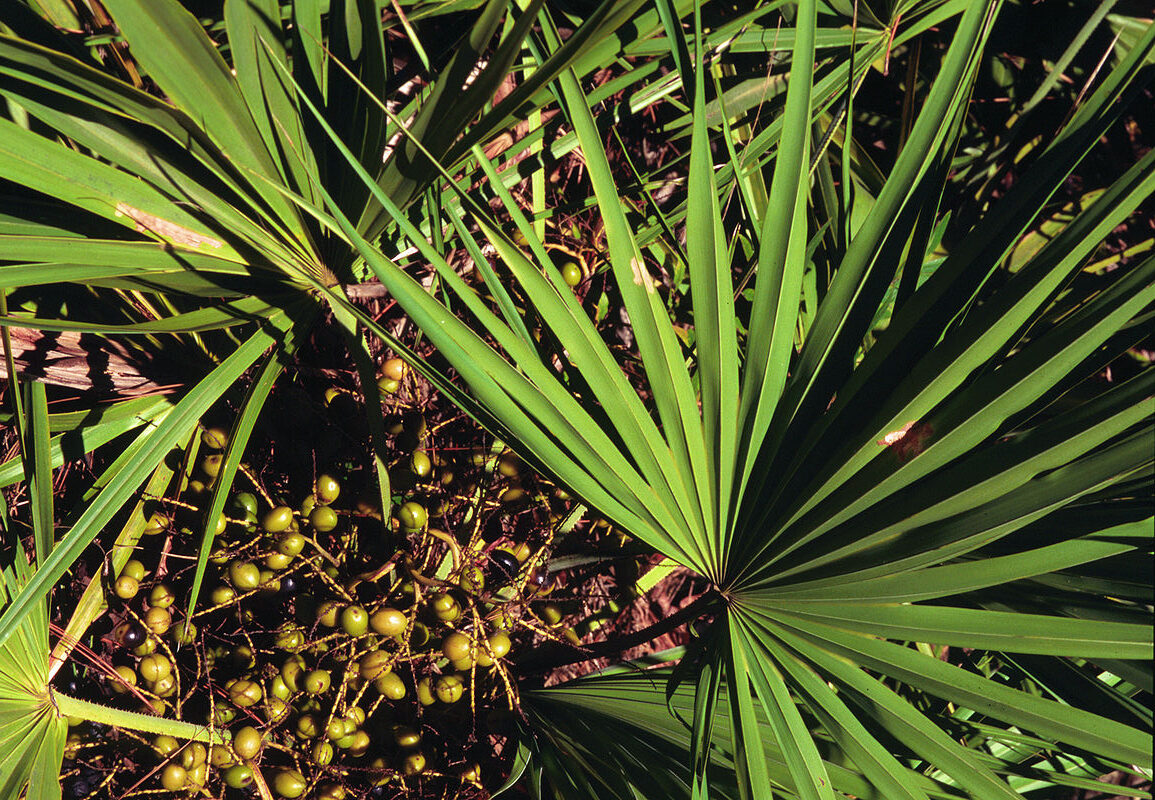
pixel 553 657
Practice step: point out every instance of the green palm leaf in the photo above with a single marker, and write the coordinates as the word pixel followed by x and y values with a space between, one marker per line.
pixel 982 463
pixel 915 518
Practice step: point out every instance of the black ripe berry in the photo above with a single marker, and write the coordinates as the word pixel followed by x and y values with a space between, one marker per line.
pixel 503 565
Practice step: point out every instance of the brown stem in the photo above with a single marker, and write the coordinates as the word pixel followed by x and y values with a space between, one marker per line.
pixel 548 658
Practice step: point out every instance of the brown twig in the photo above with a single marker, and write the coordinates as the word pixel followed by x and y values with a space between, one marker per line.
pixel 553 657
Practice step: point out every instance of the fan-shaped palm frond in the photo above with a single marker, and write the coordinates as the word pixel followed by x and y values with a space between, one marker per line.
pixel 876 509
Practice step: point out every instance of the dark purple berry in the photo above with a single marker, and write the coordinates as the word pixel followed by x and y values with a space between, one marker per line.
pixel 503 565
pixel 132 636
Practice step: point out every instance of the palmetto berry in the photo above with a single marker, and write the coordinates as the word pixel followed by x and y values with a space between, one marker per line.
pixel 290 783
pixel 278 519
pixel 388 622
pixel 355 620
pixel 244 576
pixel 327 489
pixel 503 565
pixel 412 515
pixel 247 742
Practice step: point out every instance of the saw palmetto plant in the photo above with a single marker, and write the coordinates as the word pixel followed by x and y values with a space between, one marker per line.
pixel 903 457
